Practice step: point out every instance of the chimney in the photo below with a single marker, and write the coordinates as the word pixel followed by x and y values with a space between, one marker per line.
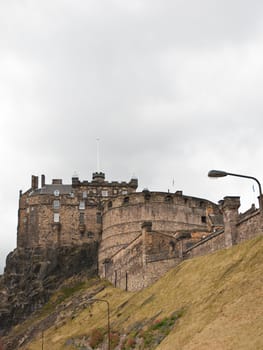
pixel 75 181
pixel 43 181
pixel 34 182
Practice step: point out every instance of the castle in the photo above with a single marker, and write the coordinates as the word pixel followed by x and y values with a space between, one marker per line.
pixel 141 235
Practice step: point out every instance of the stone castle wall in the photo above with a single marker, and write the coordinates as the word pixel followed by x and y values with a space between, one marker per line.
pixel 238 228
pixel 249 226
pixel 210 244
pixel 143 261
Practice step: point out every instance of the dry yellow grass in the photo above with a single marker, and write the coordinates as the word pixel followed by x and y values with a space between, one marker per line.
pixel 221 295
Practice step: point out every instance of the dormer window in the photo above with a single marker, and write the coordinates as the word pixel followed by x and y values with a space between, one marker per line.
pixel 56 193
pixel 104 193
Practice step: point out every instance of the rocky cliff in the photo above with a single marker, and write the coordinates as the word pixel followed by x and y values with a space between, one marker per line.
pixel 32 275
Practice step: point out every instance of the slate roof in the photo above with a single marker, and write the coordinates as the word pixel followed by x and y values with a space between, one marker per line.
pixel 49 189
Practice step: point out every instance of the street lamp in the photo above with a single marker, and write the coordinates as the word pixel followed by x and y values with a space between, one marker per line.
pixel 42 336
pixel 93 300
pixel 220 173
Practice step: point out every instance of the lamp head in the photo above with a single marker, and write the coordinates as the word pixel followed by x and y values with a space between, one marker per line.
pixel 217 173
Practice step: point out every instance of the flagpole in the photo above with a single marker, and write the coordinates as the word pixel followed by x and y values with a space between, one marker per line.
pixel 98 155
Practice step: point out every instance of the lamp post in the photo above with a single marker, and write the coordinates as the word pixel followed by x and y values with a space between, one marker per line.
pixel 221 173
pixel 93 300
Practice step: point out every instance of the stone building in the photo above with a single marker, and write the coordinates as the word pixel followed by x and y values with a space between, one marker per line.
pixel 60 214
pixel 141 235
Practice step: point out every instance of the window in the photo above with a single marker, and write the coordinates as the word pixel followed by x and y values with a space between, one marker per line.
pixel 56 193
pixel 110 204
pixel 82 205
pixel 56 204
pixel 171 247
pixel 126 200
pixel 99 219
pixel 203 219
pixel 81 218
pixel 124 191
pixel 168 198
pixel 56 217
pixel 84 194
pixel 104 193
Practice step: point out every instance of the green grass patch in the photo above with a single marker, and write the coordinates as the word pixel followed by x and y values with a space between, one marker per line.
pixel 218 298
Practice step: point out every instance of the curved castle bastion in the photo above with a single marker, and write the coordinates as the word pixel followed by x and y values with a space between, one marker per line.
pixel 143 234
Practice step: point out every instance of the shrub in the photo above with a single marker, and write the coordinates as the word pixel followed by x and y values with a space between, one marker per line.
pixel 114 339
pixel 96 337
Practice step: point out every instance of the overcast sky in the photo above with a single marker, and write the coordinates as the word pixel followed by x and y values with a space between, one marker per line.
pixel 171 88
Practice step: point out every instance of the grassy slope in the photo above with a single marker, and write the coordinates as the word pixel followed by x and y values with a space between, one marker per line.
pixel 221 294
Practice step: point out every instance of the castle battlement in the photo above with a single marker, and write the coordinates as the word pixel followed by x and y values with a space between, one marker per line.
pixel 150 197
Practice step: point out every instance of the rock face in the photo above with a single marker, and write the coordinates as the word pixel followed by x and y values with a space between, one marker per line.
pixel 31 275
